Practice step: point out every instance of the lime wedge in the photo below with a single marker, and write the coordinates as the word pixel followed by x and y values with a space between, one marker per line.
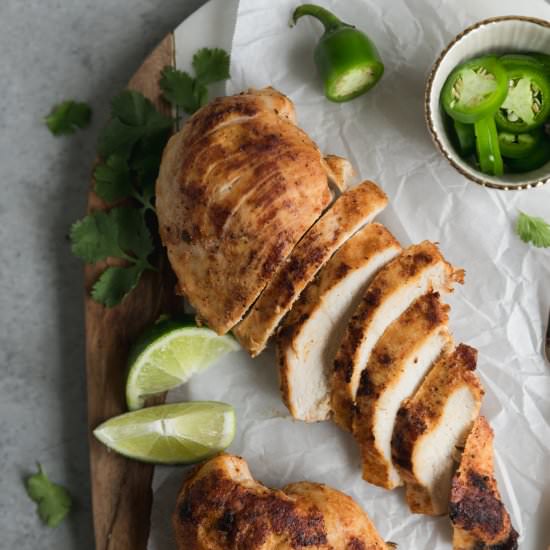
pixel 168 355
pixel 178 433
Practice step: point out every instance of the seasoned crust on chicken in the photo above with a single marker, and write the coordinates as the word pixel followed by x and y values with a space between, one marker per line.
pixel 480 520
pixel 419 269
pixel 340 171
pixel 351 211
pixel 238 187
pixel 221 507
pixel 311 332
pixel 431 425
pixel 396 367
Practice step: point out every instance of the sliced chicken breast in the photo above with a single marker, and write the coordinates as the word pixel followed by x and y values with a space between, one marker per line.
pixel 351 211
pixel 396 367
pixel 238 187
pixel 340 171
pixel 310 335
pixel 222 507
pixel 431 425
pixel 419 269
pixel 479 517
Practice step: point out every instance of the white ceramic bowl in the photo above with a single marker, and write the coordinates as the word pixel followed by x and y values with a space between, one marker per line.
pixel 496 35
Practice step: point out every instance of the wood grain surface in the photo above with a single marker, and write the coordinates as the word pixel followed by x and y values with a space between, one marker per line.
pixel 121 488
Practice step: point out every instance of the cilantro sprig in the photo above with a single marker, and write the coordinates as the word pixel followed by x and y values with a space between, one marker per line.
pixel 53 501
pixel 191 93
pixel 131 147
pixel 67 117
pixel 534 230
pixel 120 233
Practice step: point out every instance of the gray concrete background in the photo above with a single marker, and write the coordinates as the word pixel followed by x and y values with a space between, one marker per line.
pixel 51 50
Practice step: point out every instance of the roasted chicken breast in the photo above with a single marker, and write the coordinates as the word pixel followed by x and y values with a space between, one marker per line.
pixel 396 367
pixel 419 269
pixel 351 211
pixel 238 187
pixel 480 520
pixel 431 425
pixel 221 507
pixel 311 333
pixel 340 171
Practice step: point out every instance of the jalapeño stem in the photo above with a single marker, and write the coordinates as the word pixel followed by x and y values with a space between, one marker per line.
pixel 328 19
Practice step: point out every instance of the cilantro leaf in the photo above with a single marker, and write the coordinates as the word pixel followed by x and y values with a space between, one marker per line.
pixel 134 117
pixel 133 234
pixel 95 237
pixel 211 65
pixel 118 233
pixel 54 502
pixel 180 89
pixel 67 117
pixel 118 138
pixel 115 283
pixel 112 179
pixel 534 230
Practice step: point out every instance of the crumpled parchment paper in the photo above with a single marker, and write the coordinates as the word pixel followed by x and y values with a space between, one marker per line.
pixel 502 309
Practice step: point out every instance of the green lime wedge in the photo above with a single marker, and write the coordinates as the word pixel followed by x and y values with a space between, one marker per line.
pixel 168 355
pixel 178 433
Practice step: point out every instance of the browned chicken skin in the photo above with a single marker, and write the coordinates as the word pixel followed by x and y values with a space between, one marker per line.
pixel 238 187
pixel 479 517
pixel 221 507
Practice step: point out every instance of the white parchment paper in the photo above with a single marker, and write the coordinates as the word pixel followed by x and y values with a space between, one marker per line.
pixel 502 309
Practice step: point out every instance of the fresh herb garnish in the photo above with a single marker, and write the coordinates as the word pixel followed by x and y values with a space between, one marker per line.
pixel 120 233
pixel 182 90
pixel 534 230
pixel 54 502
pixel 131 147
pixel 67 117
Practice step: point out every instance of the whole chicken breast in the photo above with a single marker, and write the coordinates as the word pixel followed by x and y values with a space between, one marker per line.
pixel 238 187
pixel 351 211
pixel 311 333
pixel 221 507
pixel 417 270
pixel 398 363
pixel 431 425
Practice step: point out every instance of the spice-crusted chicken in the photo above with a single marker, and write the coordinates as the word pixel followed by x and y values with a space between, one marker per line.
pixel 431 425
pixel 351 211
pixel 340 171
pixel 221 507
pixel 480 520
pixel 311 332
pixel 419 269
pixel 397 365
pixel 238 187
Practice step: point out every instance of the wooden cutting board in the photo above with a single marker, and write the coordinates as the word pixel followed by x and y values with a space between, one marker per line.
pixel 121 488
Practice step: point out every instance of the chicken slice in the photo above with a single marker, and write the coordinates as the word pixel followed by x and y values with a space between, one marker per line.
pixel 419 269
pixel 431 425
pixel 340 171
pixel 311 332
pixel 347 215
pixel 480 520
pixel 396 367
pixel 221 507
pixel 238 187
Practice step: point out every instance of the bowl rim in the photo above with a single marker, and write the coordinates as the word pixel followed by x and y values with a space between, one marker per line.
pixel 428 111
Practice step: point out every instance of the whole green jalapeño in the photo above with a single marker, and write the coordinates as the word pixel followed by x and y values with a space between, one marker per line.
pixel 475 90
pixel 347 60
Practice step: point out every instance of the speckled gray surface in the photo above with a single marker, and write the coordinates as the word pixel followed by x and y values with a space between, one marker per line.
pixel 52 50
